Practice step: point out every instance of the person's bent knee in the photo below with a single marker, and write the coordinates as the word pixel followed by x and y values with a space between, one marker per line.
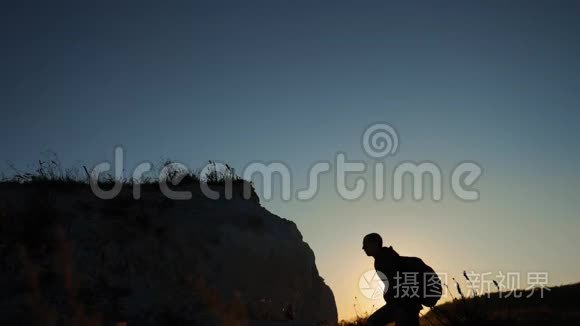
pixel 372 321
pixel 375 320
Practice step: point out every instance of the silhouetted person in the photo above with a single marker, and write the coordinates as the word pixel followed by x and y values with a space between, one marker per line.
pixel 402 307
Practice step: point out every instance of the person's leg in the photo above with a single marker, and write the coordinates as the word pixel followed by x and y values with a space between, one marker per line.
pixel 407 316
pixel 382 316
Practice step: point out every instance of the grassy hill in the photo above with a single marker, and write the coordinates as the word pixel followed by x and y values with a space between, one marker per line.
pixel 558 306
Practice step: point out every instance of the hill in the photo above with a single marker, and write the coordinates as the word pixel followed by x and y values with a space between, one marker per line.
pixel 70 258
pixel 558 306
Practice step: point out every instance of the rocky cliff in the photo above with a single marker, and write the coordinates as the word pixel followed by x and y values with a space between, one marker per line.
pixel 69 258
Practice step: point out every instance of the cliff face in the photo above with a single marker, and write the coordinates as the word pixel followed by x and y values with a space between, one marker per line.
pixel 68 257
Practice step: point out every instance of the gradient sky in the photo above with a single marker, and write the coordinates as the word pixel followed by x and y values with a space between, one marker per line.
pixel 295 81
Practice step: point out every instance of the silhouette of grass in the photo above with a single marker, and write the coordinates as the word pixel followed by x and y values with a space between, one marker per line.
pixel 559 306
pixel 50 172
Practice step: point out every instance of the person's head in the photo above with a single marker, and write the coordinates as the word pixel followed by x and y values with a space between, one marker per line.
pixel 372 243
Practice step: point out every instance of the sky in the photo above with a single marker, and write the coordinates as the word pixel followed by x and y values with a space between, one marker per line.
pixel 496 83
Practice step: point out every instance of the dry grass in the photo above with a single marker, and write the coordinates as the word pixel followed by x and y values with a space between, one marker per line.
pixel 559 306
pixel 50 172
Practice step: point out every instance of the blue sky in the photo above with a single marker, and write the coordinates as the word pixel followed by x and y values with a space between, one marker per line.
pixel 296 81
